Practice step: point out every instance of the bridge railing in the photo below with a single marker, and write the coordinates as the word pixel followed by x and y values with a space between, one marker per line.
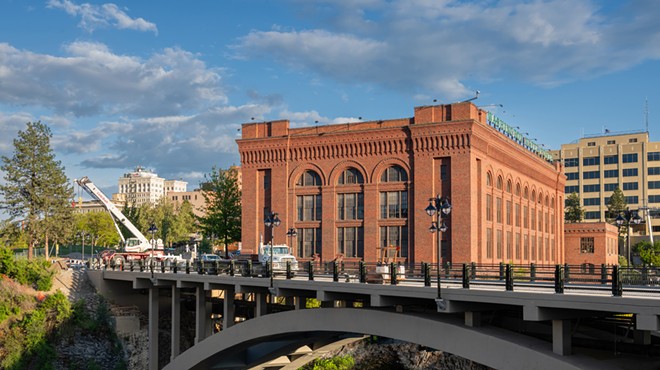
pixel 509 276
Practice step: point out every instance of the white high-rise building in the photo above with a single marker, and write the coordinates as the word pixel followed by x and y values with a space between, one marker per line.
pixel 144 186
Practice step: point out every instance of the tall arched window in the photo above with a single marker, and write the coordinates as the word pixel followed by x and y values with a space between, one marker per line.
pixel 350 176
pixel 394 174
pixel 308 203
pixel 489 179
pixel 309 178
pixel 499 182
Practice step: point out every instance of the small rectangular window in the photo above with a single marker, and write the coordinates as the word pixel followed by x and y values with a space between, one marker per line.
pixel 591 175
pixel 571 162
pixel 611 187
pixel 587 245
pixel 632 140
pixel 591 188
pixel 610 173
pixel 630 186
pixel 610 159
pixel 573 176
pixel 591 161
pixel 591 201
pixel 591 143
pixel 629 158
pixel 611 142
pixel 630 172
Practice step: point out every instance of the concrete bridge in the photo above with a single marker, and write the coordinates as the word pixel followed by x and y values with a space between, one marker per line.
pixel 262 326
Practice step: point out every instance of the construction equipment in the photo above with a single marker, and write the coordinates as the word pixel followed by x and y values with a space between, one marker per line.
pixel 388 255
pixel 135 248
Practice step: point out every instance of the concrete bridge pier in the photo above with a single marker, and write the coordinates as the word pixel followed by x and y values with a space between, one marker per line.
pixel 176 322
pixel 153 327
pixel 202 314
pixel 228 310
pixel 561 337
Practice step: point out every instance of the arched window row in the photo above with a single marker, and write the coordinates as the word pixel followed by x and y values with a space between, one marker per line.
pixel 351 175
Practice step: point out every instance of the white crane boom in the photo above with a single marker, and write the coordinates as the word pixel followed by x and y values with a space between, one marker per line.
pixel 142 242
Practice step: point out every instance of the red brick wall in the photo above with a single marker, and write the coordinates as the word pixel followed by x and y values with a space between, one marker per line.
pixel 453 135
pixel 605 243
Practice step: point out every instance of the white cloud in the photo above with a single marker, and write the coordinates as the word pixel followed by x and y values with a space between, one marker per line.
pixel 434 47
pixel 91 80
pixel 169 143
pixel 94 16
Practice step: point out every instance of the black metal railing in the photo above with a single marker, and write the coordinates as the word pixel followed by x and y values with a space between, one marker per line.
pixel 561 278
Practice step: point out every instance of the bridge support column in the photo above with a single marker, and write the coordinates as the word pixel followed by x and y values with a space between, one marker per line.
pixel 153 328
pixel 176 322
pixel 561 337
pixel 642 337
pixel 201 314
pixel 228 312
pixel 301 303
pixel 473 319
pixel 260 305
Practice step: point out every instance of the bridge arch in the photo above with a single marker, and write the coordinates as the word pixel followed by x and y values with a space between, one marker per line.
pixel 490 346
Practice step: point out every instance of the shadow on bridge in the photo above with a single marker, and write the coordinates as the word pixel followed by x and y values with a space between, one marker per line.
pixel 261 341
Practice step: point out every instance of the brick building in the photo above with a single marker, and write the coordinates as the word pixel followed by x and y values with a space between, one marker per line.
pixel 590 244
pixel 349 189
pixel 596 165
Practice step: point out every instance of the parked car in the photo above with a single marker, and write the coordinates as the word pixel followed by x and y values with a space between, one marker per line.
pixel 209 257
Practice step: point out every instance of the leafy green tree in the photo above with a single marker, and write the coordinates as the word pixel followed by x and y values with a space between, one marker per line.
pixel 36 190
pixel 616 204
pixel 650 254
pixel 222 218
pixel 573 212
pixel 183 223
pixel 99 227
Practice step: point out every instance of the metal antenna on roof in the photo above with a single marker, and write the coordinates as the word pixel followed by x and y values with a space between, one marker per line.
pixel 646 114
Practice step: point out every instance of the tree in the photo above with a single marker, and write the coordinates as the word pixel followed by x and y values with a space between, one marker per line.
pixel 223 206
pixel 650 254
pixel 616 204
pixel 99 227
pixel 36 190
pixel 183 224
pixel 573 212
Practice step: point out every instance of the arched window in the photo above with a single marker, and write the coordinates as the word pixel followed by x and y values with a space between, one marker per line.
pixel 526 193
pixel 552 203
pixel 309 178
pixel 394 174
pixel 533 198
pixel 508 186
pixel 489 179
pixel 499 182
pixel 350 176
pixel 518 189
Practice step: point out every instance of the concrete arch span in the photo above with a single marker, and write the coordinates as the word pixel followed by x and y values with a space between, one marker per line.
pixel 490 346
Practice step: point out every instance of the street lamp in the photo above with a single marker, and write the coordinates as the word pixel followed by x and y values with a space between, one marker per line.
pixel 152 230
pixel 82 235
pixel 439 207
pixel 627 217
pixel 291 234
pixel 272 221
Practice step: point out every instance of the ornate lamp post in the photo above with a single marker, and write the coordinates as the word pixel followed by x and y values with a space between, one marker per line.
pixel 291 233
pixel 272 221
pixel 152 230
pixel 439 207
pixel 627 217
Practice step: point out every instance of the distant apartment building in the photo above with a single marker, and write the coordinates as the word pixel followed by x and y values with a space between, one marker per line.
pixel 595 166
pixel 195 198
pixel 144 186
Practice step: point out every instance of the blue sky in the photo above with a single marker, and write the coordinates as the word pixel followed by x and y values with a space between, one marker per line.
pixel 167 84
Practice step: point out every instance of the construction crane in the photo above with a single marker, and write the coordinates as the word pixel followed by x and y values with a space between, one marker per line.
pixel 137 244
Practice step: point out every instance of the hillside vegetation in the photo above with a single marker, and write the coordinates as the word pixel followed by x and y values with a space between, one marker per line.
pixel 33 322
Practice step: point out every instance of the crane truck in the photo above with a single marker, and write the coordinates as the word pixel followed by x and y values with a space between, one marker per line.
pixel 137 248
